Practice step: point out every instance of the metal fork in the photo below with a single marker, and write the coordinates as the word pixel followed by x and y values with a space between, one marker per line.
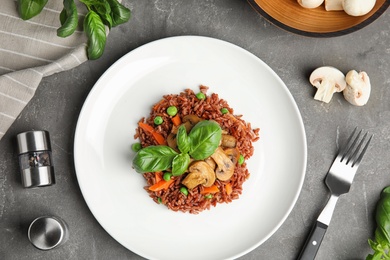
pixel 338 180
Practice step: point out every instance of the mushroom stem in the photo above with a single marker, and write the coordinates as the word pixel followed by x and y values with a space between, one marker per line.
pixel 325 90
pixel 334 5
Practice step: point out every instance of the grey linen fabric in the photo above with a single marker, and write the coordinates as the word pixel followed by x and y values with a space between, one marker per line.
pixel 31 50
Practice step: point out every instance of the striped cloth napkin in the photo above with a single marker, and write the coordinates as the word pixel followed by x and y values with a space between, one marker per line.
pixel 31 50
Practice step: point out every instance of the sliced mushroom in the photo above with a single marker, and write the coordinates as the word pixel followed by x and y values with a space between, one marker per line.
pixel 233 154
pixel 310 3
pixel 200 174
pixel 358 7
pixel 228 141
pixel 172 141
pixel 225 167
pixel 327 80
pixel 333 5
pixel 190 121
pixel 210 161
pixel 358 88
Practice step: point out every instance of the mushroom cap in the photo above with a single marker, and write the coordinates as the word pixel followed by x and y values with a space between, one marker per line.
pixel 327 80
pixel 358 88
pixel 310 3
pixel 358 7
pixel 225 169
pixel 200 173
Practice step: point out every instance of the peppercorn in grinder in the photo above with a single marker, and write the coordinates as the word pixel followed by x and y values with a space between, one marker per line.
pixel 35 161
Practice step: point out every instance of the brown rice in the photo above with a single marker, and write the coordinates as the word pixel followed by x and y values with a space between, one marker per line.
pixel 209 109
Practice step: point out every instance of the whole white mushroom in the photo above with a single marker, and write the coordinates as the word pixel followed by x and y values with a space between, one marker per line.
pixel 310 3
pixel 358 89
pixel 358 7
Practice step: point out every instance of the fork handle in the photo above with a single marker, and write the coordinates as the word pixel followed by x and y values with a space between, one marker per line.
pixel 313 242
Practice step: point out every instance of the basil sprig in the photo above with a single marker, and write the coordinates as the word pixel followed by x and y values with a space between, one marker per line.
pixel 381 244
pixel 199 144
pixel 101 13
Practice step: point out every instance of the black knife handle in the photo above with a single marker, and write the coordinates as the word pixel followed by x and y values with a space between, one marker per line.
pixel 313 242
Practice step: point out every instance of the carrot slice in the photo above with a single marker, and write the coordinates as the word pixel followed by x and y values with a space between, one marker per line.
pixel 158 176
pixel 212 189
pixel 161 185
pixel 228 188
pixel 176 120
pixel 158 137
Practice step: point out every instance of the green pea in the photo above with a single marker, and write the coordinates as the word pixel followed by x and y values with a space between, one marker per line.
pixel 136 147
pixel 224 110
pixel 209 196
pixel 172 110
pixel 158 120
pixel 184 191
pixel 159 200
pixel 200 95
pixel 241 160
pixel 167 176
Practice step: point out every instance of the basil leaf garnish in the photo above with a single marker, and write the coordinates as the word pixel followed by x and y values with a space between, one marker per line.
pixel 204 139
pixel 183 142
pixel 154 158
pixel 180 164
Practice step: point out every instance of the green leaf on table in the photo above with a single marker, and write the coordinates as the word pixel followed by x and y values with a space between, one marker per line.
pixel 29 8
pixel 103 9
pixel 68 19
pixel 119 13
pixel 96 33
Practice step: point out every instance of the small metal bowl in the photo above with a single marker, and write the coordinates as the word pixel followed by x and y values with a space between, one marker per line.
pixel 46 232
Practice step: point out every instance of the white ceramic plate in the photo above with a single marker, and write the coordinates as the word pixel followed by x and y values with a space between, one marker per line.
pixel 125 93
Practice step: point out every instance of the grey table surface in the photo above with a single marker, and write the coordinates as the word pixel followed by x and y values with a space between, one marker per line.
pixel 59 99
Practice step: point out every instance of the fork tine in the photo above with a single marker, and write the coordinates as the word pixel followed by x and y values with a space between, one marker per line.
pixel 354 153
pixel 351 150
pixel 359 159
pixel 343 151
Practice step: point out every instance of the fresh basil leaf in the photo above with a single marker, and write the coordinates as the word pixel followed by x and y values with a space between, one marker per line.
pixel 88 3
pixel 183 142
pixel 103 9
pixel 382 217
pixel 68 18
pixel 154 158
pixel 204 139
pixel 63 16
pixel 180 164
pixel 96 33
pixel 29 8
pixel 119 13
pixel 381 245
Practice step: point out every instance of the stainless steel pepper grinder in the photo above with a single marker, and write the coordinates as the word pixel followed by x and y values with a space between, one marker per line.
pixel 35 161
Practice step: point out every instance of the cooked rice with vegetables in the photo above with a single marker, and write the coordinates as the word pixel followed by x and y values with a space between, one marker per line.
pixel 192 151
